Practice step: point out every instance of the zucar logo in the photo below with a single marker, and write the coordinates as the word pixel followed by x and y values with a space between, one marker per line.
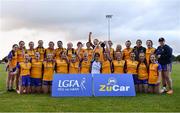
pixel 112 86
pixel 72 85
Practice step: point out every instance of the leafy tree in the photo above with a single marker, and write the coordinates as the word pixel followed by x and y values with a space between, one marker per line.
pixel 178 58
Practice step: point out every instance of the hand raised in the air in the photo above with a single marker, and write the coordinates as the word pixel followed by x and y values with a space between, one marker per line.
pixel 90 33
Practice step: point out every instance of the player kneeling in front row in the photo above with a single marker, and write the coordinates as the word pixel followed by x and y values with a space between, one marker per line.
pixel 131 65
pixel 62 63
pixel 106 64
pixel 36 74
pixel 154 75
pixel 85 63
pixel 74 65
pixel 142 74
pixel 118 65
pixel 48 71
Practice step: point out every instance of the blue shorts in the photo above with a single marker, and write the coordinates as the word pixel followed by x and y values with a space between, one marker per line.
pixel 47 82
pixel 25 80
pixel 135 78
pixel 153 84
pixel 143 81
pixel 167 67
pixel 36 82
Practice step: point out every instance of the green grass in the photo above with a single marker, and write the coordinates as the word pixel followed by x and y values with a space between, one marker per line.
pixel 45 103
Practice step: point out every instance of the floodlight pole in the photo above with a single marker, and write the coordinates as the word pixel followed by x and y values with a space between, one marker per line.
pixel 109 27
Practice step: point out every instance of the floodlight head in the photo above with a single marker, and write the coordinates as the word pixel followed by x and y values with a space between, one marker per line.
pixel 109 16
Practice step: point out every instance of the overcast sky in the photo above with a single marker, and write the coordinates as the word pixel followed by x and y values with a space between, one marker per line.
pixel 71 20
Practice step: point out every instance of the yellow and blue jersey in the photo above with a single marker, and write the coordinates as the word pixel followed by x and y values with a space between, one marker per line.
pixel 118 67
pixel 74 68
pixel 112 53
pixel 126 53
pixel 31 53
pixel 85 67
pixel 61 66
pixel 20 55
pixel 142 71
pixel 131 67
pixel 58 51
pixel 24 68
pixel 149 51
pixel 81 52
pixel 70 52
pixel 49 51
pixel 154 69
pixel 41 51
pixel 106 67
pixel 100 51
pixel 48 71
pixel 12 59
pixel 36 69
pixel 90 53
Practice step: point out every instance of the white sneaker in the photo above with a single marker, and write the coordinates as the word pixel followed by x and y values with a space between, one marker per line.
pixel 163 90
pixel 18 92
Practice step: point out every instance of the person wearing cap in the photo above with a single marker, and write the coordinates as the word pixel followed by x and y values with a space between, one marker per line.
pixel 138 49
pixel 164 54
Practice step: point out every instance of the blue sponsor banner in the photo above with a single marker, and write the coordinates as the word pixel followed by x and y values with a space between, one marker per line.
pixel 113 85
pixel 72 85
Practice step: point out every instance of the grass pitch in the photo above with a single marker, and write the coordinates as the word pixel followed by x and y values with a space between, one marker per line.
pixel 11 101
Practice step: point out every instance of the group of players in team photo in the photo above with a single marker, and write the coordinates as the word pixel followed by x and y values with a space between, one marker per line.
pixel 32 69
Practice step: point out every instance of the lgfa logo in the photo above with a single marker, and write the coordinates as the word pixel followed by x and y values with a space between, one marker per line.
pixel 72 84
pixel 113 86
